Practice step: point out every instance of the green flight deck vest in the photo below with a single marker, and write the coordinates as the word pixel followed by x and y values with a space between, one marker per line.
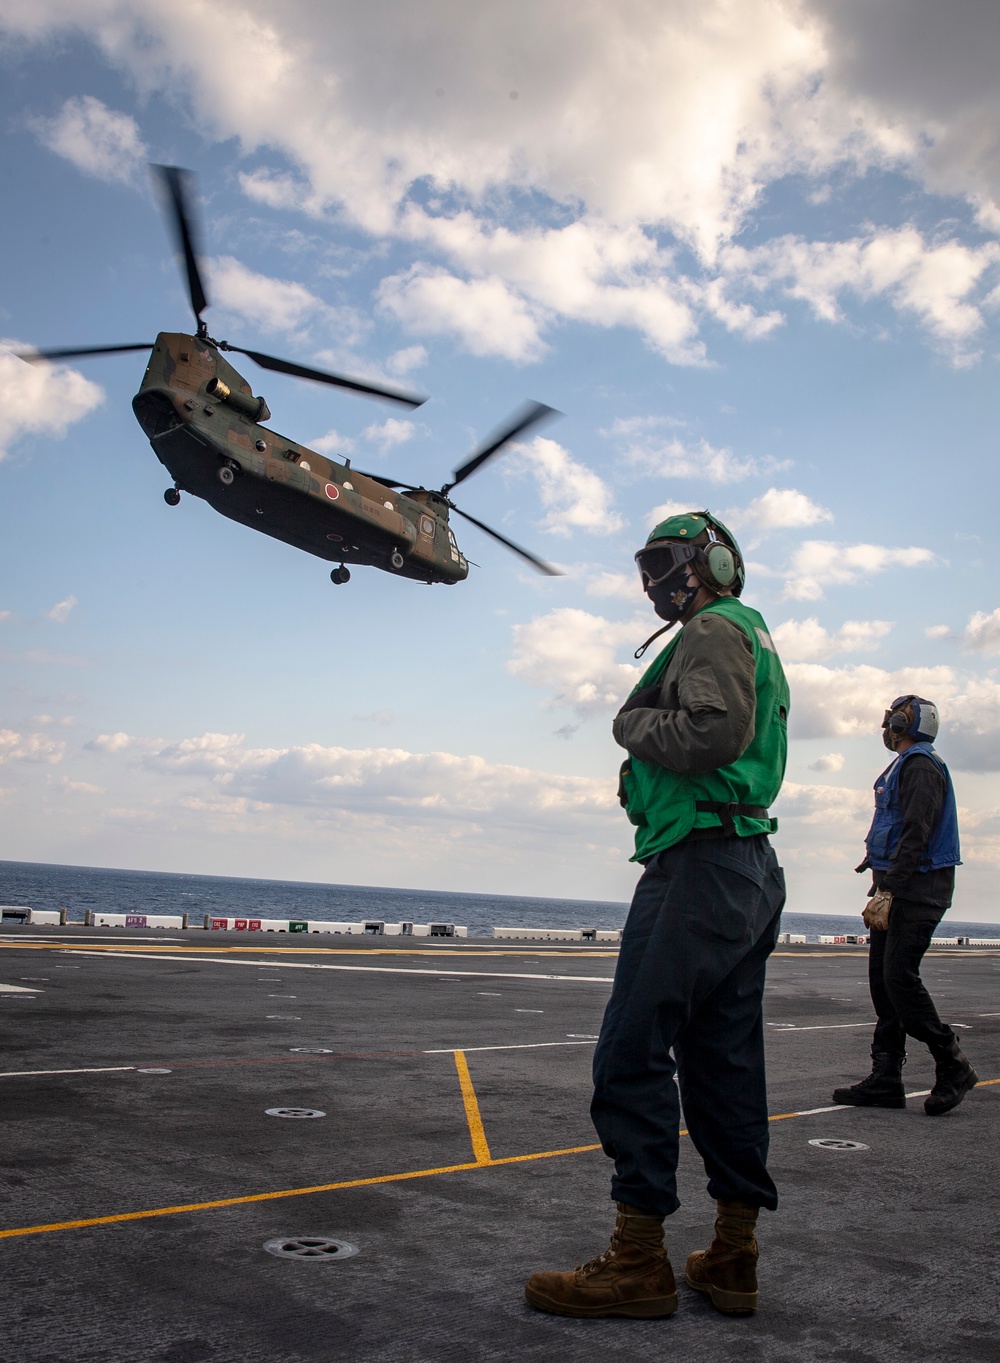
pixel 663 804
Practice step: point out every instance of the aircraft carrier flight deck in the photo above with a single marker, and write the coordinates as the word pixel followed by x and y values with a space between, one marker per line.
pixel 288 1151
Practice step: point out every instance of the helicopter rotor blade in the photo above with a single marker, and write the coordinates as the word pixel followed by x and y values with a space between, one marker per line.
pixel 176 183
pixel 79 352
pixel 301 371
pixel 531 414
pixel 535 562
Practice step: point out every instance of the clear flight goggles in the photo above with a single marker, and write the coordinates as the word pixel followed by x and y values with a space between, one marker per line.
pixel 656 562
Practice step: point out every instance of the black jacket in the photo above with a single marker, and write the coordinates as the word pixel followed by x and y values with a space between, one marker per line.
pixel 921 793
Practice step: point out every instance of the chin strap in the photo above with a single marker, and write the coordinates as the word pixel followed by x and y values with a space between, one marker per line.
pixel 642 648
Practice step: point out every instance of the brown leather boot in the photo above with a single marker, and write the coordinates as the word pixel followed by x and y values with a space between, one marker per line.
pixel 727 1271
pixel 632 1277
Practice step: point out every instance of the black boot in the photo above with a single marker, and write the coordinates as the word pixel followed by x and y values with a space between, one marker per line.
pixel 882 1088
pixel 953 1079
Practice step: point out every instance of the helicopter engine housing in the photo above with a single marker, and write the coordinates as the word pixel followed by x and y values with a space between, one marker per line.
pixel 245 403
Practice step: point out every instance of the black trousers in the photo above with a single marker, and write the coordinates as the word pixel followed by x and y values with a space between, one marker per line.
pixel 690 980
pixel 901 1001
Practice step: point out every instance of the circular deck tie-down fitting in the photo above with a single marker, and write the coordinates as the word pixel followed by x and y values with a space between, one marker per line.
pixel 315 1248
pixel 295 1112
pixel 833 1143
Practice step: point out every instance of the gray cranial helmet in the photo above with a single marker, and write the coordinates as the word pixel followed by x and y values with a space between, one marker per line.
pixel 913 716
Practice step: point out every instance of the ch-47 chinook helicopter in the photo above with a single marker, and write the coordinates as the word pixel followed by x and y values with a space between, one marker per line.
pixel 204 425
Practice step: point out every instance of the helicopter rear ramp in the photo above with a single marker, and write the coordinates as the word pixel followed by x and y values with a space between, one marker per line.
pixel 144 1174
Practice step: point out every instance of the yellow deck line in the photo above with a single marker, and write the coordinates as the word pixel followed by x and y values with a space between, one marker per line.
pixel 336 1187
pixel 480 1146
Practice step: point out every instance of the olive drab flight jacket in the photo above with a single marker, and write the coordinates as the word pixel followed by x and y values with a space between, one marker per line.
pixel 663 803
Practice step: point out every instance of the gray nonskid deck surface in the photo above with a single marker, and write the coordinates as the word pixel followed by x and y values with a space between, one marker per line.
pixel 886 1253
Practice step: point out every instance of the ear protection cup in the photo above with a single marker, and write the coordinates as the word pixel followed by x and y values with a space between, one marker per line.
pixel 912 715
pixel 721 563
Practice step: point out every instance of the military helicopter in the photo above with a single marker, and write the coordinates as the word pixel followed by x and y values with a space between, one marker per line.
pixel 204 425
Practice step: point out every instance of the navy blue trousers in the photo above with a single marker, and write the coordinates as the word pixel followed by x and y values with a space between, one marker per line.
pixel 687 1000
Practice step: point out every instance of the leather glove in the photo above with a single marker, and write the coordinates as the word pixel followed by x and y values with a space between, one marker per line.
pixel 645 698
pixel 876 911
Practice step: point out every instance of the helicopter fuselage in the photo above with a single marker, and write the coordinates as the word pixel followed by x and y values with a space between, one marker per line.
pixel 203 423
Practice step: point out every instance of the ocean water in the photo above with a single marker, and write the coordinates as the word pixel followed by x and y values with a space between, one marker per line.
pixel 78 888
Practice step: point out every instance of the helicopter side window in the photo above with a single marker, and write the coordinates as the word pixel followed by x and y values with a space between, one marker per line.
pixel 426 526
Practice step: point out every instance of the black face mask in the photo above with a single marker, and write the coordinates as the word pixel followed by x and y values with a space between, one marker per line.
pixel 673 598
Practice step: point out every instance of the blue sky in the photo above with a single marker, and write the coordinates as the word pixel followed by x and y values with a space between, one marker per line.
pixel 750 250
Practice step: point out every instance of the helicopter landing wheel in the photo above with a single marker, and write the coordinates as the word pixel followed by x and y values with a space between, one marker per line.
pixel 171 496
pixel 397 559
pixel 340 575
pixel 226 476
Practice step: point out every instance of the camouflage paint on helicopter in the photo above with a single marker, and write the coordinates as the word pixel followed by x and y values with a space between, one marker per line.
pixel 203 423
pixel 196 410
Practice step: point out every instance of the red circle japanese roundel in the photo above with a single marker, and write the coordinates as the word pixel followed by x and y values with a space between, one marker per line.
pixel 332 491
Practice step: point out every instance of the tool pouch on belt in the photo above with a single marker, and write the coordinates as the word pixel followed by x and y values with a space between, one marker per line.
pixel 876 911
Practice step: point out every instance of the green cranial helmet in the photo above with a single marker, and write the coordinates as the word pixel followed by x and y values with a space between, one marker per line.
pixel 719 555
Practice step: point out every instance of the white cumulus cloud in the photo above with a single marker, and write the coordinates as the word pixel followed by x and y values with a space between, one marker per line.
pixel 488 317
pixel 823 807
pixel 671 457
pixel 777 509
pixel 818 564
pixel 388 786
pixel 933 281
pixel 982 634
pixel 389 433
pixel 40 399
pixel 574 496
pixel 333 444
pixel 809 641
pixel 586 162
pixel 830 761
pixel 281 305
pixel 18 747
pixel 60 612
pixel 572 654
pixel 101 141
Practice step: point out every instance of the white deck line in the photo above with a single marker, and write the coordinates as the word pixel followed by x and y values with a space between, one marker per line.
pixel 522 1046
pixel 368 969
pixel 438 1050
pixel 102 1069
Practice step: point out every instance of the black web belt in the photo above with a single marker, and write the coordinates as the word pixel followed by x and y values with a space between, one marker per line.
pixel 727 813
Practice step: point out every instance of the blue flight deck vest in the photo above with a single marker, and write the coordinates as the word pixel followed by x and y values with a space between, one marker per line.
pixel 887 825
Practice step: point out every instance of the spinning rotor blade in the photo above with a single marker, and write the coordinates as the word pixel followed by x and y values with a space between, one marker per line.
pixel 529 415
pixel 175 183
pixel 301 371
pixel 37 356
pixel 538 563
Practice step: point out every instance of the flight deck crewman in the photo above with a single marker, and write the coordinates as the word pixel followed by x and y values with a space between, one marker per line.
pixel 706 736
pixel 912 851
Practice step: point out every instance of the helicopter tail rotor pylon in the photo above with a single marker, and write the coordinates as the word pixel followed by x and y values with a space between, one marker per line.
pixel 529 415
